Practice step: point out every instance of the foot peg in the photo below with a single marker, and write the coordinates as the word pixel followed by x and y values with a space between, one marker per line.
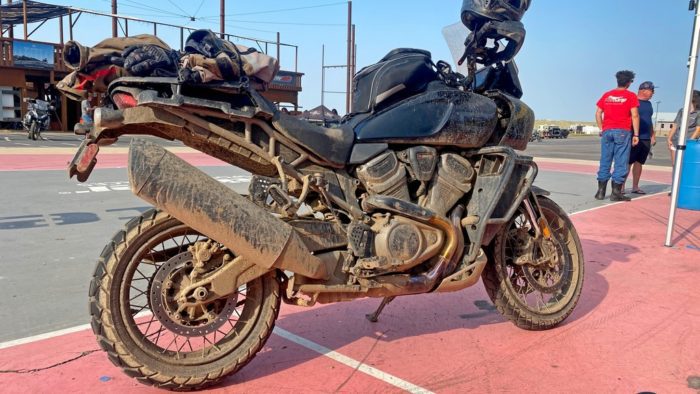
pixel 374 317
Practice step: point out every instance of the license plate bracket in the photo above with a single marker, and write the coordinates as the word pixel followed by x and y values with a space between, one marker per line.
pixel 84 161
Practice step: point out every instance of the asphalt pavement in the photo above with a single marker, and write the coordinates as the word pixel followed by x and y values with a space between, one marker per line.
pixel 53 228
pixel 588 148
pixel 631 332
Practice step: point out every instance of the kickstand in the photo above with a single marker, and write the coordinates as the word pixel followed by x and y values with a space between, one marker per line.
pixel 374 317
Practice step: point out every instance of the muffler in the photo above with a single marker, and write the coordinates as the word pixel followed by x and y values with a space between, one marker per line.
pixel 199 201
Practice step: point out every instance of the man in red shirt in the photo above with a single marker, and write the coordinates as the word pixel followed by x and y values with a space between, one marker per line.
pixel 617 111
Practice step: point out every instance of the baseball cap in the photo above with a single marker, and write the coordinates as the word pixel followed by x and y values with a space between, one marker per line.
pixel 646 85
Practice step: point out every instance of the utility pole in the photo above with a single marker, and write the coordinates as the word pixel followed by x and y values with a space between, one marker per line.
pixel 222 19
pixel 323 80
pixel 114 18
pixel 349 63
pixel 353 69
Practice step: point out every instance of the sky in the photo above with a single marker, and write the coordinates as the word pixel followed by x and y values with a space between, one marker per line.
pixel 570 56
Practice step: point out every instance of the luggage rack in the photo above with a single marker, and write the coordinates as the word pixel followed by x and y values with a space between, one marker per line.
pixel 234 98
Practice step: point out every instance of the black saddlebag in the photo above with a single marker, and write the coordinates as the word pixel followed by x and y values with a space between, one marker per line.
pixel 402 73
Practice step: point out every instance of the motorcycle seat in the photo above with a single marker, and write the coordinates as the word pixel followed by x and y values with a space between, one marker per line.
pixel 330 144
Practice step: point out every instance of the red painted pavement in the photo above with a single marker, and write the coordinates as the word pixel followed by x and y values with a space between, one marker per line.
pixel 50 161
pixel 41 161
pixel 636 328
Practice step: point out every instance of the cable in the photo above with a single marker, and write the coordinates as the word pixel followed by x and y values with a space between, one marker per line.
pixel 281 23
pixel 177 6
pixel 236 27
pixel 284 9
pixel 198 8
pixel 134 4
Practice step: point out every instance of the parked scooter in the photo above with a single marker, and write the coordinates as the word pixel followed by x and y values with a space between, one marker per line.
pixel 37 118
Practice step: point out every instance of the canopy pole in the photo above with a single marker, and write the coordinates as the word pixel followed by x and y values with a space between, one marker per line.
pixel 680 149
pixel 11 31
pixel 24 15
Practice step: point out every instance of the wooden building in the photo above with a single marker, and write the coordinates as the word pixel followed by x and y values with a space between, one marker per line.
pixel 30 69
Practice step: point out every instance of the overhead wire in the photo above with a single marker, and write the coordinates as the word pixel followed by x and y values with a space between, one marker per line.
pixel 178 7
pixel 198 8
pixel 285 9
pixel 145 7
pixel 279 23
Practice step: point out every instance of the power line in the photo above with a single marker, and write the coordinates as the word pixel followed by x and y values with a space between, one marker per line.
pixel 177 6
pixel 145 7
pixel 198 8
pixel 235 27
pixel 284 9
pixel 280 23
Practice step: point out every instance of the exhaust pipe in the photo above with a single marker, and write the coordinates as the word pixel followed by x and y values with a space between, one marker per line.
pixel 197 200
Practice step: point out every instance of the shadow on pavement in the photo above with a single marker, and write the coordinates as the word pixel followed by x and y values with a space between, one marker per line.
pixel 343 326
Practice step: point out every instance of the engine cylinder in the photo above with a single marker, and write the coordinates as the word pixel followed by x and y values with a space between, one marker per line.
pixel 385 175
pixel 454 178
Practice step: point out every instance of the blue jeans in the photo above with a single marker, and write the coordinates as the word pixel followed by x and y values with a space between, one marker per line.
pixel 615 145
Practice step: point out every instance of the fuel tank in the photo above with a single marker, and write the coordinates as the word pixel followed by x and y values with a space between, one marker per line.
pixel 439 116
pixel 447 116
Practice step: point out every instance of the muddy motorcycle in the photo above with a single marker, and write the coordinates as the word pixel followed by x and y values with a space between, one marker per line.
pixel 420 190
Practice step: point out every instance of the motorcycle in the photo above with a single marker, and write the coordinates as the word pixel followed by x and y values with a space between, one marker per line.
pixel 419 190
pixel 536 136
pixel 37 118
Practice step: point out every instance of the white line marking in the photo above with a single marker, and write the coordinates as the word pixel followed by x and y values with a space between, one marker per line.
pixel 7 138
pixel 98 188
pixel 52 334
pixel 333 355
pixel 617 203
pixel 350 362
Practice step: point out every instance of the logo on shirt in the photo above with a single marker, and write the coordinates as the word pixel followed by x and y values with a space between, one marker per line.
pixel 616 99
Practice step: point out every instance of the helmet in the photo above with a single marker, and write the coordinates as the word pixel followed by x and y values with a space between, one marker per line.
pixel 476 12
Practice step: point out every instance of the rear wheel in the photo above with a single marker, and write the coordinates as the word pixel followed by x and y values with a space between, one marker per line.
pixel 150 334
pixel 535 296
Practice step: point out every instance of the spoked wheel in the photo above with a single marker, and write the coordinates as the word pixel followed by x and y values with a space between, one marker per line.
pixel 163 340
pixel 533 292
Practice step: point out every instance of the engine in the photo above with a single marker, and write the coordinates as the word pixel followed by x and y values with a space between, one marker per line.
pixel 394 243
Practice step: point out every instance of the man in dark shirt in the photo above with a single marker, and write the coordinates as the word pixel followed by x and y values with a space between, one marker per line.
pixel 647 136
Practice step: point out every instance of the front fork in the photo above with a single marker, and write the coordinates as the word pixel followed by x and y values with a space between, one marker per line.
pixel 543 233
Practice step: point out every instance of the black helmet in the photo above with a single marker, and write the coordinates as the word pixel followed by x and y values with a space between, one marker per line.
pixel 475 12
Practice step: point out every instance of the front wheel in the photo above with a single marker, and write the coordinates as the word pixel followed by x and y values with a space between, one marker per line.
pixel 154 338
pixel 535 295
pixel 34 131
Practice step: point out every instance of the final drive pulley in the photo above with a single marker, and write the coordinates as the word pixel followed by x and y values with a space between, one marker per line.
pixel 191 315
